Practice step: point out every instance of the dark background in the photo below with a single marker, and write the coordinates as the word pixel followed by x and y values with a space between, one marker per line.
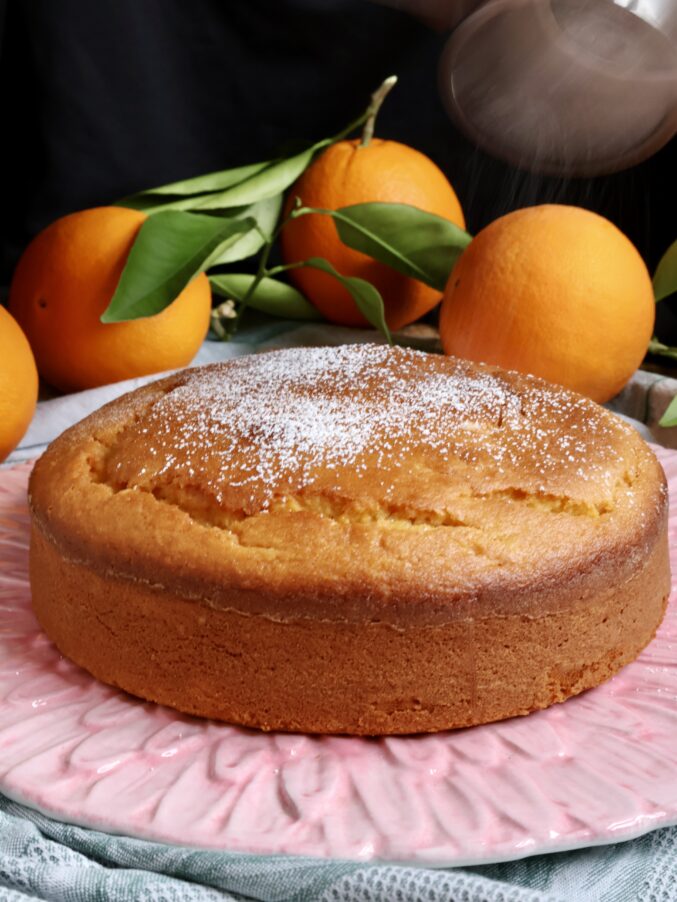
pixel 101 98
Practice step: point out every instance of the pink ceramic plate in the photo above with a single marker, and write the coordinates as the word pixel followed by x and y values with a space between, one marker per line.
pixel 600 768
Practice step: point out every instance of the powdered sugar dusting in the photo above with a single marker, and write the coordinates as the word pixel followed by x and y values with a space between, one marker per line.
pixel 273 421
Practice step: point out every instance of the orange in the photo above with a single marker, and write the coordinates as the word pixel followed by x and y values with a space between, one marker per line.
pixel 18 384
pixel 555 291
pixel 348 174
pixel 64 282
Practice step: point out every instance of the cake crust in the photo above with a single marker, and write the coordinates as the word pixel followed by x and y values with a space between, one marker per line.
pixel 355 540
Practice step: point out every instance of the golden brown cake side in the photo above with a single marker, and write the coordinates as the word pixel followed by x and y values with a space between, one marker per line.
pixel 488 545
pixel 313 676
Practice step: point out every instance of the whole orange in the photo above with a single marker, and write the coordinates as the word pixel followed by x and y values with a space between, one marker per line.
pixel 556 291
pixel 64 282
pixel 18 384
pixel 347 173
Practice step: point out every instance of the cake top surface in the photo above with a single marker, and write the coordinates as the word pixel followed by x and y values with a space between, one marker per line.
pixel 338 481
pixel 285 421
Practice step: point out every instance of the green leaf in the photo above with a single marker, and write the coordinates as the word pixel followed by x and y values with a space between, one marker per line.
pixel 275 179
pixel 270 296
pixel 665 277
pixel 669 418
pixel 170 249
pixel 201 184
pixel 368 300
pixel 157 203
pixel 657 347
pixel 413 242
pixel 253 184
pixel 265 213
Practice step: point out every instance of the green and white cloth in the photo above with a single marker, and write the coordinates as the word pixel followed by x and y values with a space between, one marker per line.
pixel 43 859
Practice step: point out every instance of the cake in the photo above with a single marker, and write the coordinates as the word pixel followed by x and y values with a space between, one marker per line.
pixel 360 539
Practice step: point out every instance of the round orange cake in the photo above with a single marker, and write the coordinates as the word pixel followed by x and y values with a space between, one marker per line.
pixel 355 540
